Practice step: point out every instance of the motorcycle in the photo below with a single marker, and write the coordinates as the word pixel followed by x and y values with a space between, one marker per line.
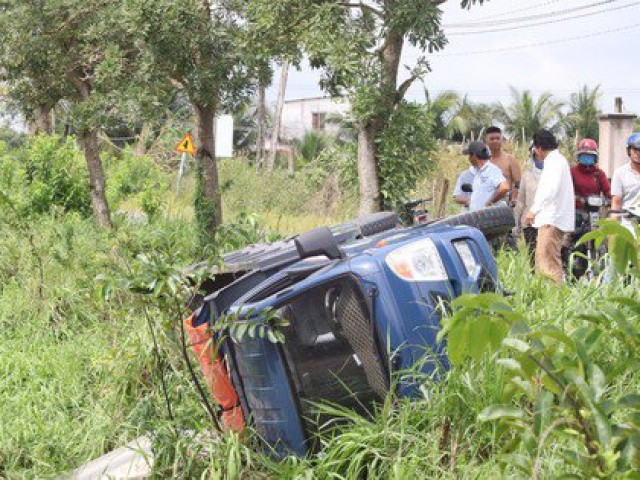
pixel 416 212
pixel 585 260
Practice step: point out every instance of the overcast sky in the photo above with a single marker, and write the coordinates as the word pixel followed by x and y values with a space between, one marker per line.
pixel 572 43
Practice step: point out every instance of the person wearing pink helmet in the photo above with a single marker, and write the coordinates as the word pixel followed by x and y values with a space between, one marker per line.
pixel 588 178
pixel 592 189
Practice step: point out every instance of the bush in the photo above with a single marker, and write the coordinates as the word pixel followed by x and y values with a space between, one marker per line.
pixel 47 172
pixel 135 176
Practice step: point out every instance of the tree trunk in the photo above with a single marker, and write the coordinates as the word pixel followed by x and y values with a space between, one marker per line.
pixel 207 203
pixel 143 136
pixel 41 121
pixel 368 178
pixel 367 171
pixel 260 121
pixel 88 138
pixel 275 134
pixel 89 142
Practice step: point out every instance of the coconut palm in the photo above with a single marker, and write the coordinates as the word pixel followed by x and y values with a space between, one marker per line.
pixel 471 119
pixel 526 115
pixel 582 118
pixel 345 127
pixel 311 145
pixel 245 126
pixel 443 108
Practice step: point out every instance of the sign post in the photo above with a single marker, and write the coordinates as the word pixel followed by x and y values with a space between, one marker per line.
pixel 184 146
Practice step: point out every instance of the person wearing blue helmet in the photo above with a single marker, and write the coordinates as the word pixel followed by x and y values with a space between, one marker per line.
pixel 625 185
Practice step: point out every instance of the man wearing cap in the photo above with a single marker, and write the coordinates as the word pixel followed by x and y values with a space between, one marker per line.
pixel 552 212
pixel 489 184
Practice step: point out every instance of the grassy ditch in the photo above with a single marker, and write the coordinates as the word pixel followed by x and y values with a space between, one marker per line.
pixel 80 373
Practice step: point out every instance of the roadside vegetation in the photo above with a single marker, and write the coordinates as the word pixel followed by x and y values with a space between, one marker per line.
pixel 85 355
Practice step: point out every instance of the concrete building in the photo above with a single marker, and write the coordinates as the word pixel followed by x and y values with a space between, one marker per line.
pixel 615 128
pixel 307 114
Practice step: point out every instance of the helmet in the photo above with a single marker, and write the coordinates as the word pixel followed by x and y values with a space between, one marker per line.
pixel 587 145
pixel 633 141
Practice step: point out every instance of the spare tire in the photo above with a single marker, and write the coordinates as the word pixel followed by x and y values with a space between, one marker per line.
pixel 377 222
pixel 492 222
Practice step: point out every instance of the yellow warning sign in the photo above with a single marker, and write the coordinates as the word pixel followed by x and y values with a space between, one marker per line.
pixel 186 145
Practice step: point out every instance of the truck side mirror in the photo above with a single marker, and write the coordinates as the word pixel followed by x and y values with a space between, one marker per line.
pixel 319 241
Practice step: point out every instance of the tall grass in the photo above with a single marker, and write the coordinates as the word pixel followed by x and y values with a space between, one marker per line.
pixel 78 375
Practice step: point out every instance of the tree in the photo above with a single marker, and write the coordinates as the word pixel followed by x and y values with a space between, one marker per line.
pixel 582 117
pixel 198 46
pixel 457 118
pixel 81 52
pixel 358 46
pixel 443 107
pixel 526 115
pixel 471 119
pixel 275 133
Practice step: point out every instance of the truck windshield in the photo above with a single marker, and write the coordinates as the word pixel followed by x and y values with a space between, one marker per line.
pixel 331 348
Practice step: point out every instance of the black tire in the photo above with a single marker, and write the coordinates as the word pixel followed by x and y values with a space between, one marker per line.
pixel 493 222
pixel 377 222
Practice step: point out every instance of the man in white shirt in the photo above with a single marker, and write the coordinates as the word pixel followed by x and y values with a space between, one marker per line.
pixel 460 194
pixel 553 210
pixel 489 184
pixel 625 185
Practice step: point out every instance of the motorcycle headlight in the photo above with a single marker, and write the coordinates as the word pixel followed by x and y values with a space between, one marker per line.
pixel 595 201
pixel 466 255
pixel 417 262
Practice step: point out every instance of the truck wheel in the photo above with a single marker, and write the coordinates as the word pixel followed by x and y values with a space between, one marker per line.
pixel 492 222
pixel 377 222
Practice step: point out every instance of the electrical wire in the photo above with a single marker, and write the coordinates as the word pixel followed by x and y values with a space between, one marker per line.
pixel 506 21
pixel 539 44
pixel 525 9
pixel 545 22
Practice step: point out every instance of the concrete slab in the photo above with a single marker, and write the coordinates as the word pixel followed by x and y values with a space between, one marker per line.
pixel 134 461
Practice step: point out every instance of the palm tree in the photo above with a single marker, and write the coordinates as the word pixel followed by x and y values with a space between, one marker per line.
pixel 443 109
pixel 245 126
pixel 526 115
pixel 582 119
pixel 311 145
pixel 471 119
pixel 345 127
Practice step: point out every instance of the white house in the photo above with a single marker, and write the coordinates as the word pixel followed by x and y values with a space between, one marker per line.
pixel 306 114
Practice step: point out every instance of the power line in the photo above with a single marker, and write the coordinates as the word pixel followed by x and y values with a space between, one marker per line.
pixel 539 44
pixel 525 9
pixel 506 21
pixel 545 22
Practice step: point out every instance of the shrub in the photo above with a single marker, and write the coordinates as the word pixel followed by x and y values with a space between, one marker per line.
pixel 48 172
pixel 130 175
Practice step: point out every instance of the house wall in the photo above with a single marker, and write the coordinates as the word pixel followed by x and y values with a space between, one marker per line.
pixel 297 115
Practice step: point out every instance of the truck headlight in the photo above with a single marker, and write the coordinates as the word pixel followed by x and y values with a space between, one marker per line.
pixel 417 262
pixel 466 255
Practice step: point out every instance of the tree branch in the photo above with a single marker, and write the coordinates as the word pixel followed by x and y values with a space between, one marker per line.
pixel 404 86
pixel 363 6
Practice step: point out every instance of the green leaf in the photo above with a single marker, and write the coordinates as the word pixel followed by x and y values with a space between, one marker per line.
pixel 597 381
pixel 510 364
pixel 516 344
pixel 587 395
pixel 630 401
pixel 501 412
pixel 542 412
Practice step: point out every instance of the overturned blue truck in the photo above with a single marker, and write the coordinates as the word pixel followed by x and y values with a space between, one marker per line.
pixel 360 301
